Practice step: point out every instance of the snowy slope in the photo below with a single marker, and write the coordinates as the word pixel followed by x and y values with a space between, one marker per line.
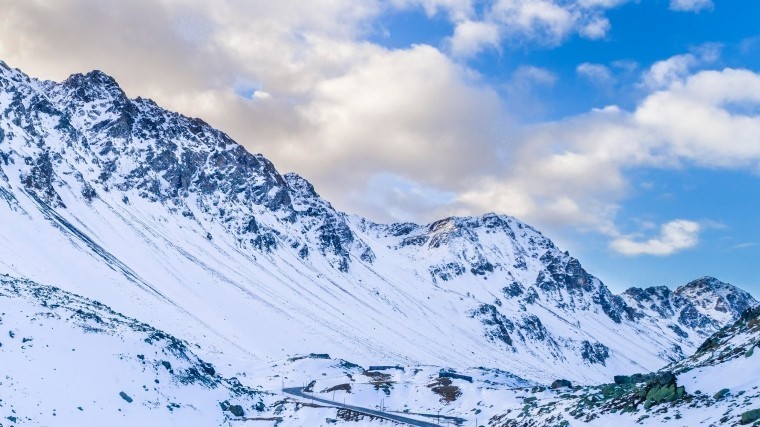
pixel 168 220
pixel 71 361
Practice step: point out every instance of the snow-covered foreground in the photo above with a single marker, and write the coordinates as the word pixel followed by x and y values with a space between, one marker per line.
pixel 76 362
pixel 70 361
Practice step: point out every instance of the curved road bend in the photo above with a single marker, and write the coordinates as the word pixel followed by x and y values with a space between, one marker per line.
pixel 298 391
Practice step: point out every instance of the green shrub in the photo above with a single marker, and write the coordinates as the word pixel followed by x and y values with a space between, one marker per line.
pixel 661 389
pixel 721 394
pixel 561 384
pixel 237 410
pixel 750 416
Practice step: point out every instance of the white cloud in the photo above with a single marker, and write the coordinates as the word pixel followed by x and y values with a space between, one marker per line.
pixel 597 73
pixel 607 4
pixel 547 22
pixel 543 20
pixel 626 65
pixel 691 5
pixel 528 75
pixel 457 10
pixel 675 236
pixel 597 28
pixel 412 112
pixel 695 120
pixel 663 73
pixel 471 37
pixel 708 52
pixel 745 245
pixel 524 91
pixel 573 171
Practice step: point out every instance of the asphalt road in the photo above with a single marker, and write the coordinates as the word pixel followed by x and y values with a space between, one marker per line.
pixel 298 391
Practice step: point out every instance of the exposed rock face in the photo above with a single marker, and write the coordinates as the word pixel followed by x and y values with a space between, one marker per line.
pixel 174 160
pixel 703 305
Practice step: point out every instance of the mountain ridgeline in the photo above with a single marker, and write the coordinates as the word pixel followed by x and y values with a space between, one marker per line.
pixel 170 221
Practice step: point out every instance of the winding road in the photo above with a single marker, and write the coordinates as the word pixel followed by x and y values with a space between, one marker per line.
pixel 298 391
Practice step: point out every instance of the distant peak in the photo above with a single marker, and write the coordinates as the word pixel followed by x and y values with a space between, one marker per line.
pixel 707 282
pixel 97 74
pixel 708 285
pixel 93 85
pixel 300 185
pixel 93 77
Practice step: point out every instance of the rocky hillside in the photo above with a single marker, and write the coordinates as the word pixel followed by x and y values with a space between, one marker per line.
pixel 717 386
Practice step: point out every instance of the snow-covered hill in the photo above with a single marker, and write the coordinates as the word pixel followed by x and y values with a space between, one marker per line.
pixel 71 361
pixel 169 221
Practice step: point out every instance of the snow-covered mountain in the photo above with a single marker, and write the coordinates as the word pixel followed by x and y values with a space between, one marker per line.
pixel 169 221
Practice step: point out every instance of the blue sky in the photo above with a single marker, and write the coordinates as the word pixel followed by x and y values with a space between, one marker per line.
pixel 727 249
pixel 627 131
pixel 641 34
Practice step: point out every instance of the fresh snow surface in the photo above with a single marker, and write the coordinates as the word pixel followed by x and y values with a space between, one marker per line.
pixel 70 361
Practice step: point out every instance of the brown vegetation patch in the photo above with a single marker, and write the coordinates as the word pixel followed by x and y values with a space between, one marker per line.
pixel 444 388
pixel 377 376
pixel 380 380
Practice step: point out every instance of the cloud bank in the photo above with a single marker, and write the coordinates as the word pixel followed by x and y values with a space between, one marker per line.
pixel 674 236
pixel 691 5
pixel 416 128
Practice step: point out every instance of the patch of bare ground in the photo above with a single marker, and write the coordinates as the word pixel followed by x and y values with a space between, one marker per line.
pixel 380 380
pixel 444 388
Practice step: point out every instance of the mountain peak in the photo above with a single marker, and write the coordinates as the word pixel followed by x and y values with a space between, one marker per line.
pixel 716 298
pixel 94 76
pixel 94 86
pixel 708 284
pixel 300 185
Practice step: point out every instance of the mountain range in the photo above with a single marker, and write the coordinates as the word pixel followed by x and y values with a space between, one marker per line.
pixel 151 215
